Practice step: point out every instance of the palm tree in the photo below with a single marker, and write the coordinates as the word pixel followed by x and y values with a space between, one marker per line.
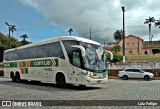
pixel 70 31
pixel 157 23
pixel 24 42
pixel 12 28
pixel 149 21
pixel 24 37
pixel 118 35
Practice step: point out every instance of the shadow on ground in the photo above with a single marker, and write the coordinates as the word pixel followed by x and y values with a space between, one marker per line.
pixel 37 85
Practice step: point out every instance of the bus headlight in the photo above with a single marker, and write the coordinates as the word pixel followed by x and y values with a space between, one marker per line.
pixel 90 74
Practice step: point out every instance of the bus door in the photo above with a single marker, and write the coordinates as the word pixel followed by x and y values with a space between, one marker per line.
pixel 75 69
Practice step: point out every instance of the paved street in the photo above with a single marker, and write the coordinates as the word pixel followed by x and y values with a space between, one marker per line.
pixel 113 90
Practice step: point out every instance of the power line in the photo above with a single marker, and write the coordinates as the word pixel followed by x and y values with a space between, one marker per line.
pixel 88 32
pixel 64 25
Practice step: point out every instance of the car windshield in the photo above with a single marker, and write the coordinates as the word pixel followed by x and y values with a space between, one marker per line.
pixel 94 59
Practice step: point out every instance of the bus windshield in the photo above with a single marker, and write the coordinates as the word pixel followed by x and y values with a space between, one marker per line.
pixel 94 59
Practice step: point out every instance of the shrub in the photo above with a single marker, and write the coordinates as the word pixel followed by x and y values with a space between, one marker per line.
pixel 116 57
pixel 155 50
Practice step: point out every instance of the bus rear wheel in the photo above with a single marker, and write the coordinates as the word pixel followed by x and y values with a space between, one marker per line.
pixel 13 77
pixel 17 77
pixel 60 80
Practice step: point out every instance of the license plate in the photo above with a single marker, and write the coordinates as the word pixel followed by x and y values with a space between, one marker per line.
pixel 98 81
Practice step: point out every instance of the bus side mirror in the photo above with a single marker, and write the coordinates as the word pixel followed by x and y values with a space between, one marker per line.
pixel 81 48
pixel 111 54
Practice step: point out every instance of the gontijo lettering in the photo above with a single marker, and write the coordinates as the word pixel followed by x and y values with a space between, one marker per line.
pixel 45 63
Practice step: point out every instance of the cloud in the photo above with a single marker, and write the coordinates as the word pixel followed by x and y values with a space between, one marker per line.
pixel 102 16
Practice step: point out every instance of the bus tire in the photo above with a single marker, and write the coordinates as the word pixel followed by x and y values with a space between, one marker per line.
pixel 82 86
pixel 18 77
pixel 60 80
pixel 12 77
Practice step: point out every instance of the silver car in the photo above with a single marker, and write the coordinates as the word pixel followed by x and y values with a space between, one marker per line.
pixel 135 73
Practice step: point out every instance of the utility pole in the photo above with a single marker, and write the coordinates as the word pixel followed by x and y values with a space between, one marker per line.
pixel 90 33
pixel 123 10
pixel 104 43
pixel 138 45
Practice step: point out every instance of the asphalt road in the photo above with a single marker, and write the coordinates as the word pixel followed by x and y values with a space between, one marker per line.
pixel 115 89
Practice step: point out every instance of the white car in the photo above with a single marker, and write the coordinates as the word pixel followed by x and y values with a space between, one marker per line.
pixel 135 73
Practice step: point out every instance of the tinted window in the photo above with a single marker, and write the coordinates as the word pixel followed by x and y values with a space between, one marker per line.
pixel 33 52
pixel 136 70
pixel 43 51
pixel 5 56
pixel 67 45
pixel 76 58
pixel 11 55
pixel 129 70
pixel 22 53
pixel 55 50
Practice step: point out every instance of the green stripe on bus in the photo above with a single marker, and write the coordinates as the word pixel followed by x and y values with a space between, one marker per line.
pixel 24 63
pixel 10 64
pixel 26 70
pixel 34 63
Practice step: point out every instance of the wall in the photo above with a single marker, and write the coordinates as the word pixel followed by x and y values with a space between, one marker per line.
pixel 133 45
pixel 114 73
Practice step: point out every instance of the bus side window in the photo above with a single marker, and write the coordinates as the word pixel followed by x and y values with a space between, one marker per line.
pixel 55 50
pixel 43 51
pixel 76 60
pixel 32 52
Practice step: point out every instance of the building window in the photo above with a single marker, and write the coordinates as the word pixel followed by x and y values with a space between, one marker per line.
pixel 130 52
pixel 145 52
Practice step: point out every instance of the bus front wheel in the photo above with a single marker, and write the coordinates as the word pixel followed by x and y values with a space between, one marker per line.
pixel 60 80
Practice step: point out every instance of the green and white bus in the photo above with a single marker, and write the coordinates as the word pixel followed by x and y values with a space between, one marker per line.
pixel 62 60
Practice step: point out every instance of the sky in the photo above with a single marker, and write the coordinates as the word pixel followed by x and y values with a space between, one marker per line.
pixel 44 19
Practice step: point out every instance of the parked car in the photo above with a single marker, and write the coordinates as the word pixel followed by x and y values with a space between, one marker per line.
pixel 135 73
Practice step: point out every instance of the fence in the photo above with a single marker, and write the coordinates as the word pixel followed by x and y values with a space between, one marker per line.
pixel 140 65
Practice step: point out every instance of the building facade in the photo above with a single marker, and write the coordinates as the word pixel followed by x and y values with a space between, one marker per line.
pixel 133 45
pixel 136 46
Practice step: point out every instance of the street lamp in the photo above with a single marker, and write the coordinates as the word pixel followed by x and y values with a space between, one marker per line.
pixel 12 29
pixel 70 31
pixel 123 10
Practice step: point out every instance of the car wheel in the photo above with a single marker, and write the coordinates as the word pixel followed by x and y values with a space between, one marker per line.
pixel 147 78
pixel 125 77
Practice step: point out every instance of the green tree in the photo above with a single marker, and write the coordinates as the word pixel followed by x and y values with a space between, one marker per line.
pixel 118 34
pixel 116 57
pixel 116 48
pixel 4 44
pixel 24 42
pixel 156 50
pixel 149 21
pixel 157 23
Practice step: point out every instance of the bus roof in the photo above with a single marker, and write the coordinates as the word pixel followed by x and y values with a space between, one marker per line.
pixel 55 39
